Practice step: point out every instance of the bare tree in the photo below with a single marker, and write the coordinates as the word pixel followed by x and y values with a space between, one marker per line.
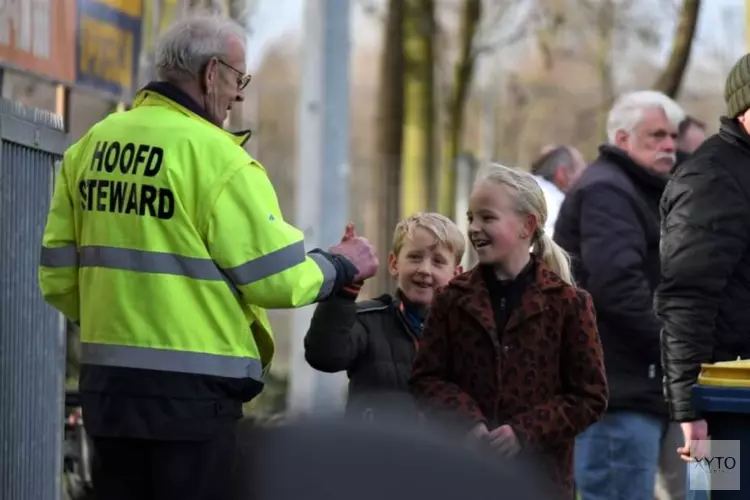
pixel 389 130
pixel 671 78
pixel 486 26
pixel 418 155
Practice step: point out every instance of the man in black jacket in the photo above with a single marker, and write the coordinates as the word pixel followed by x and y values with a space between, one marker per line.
pixel 609 223
pixel 690 135
pixel 704 295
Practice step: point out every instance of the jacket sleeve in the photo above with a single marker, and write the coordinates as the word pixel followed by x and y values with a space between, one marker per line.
pixel 705 232
pixel 584 384
pixel 430 382
pixel 263 256
pixel 58 269
pixel 613 251
pixel 336 337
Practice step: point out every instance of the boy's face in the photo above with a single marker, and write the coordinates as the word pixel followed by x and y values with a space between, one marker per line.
pixel 421 266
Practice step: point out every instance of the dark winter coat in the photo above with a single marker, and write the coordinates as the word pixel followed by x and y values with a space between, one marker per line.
pixel 704 295
pixel 609 223
pixel 375 343
pixel 542 374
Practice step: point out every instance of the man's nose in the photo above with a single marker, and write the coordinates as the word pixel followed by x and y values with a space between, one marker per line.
pixel 240 96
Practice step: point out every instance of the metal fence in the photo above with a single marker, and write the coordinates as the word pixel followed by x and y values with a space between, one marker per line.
pixel 32 344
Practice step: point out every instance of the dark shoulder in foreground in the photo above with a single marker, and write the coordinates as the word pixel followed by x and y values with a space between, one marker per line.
pixel 714 152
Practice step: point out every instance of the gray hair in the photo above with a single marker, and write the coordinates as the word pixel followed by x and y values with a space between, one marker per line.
pixel 184 49
pixel 627 113
pixel 546 165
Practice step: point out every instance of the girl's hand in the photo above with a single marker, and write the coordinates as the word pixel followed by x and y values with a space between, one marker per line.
pixel 504 441
pixel 477 434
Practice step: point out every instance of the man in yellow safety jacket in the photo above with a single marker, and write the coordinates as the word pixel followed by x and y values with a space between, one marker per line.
pixel 165 242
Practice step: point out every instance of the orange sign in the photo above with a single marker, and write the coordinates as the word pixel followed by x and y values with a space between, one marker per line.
pixel 38 36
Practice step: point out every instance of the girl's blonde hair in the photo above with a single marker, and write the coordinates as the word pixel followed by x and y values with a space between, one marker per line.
pixel 529 200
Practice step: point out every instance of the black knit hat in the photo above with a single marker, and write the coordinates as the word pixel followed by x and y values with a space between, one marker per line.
pixel 737 89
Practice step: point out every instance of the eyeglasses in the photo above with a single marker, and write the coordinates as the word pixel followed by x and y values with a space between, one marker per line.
pixel 242 79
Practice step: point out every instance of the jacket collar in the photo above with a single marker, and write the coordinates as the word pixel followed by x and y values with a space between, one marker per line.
pixel 166 94
pixel 733 133
pixel 636 172
pixel 475 294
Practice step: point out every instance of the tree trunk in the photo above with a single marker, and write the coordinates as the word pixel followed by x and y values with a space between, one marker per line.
pixel 670 79
pixel 419 110
pixel 463 73
pixel 389 136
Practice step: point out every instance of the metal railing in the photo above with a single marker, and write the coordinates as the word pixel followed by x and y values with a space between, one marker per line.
pixel 32 343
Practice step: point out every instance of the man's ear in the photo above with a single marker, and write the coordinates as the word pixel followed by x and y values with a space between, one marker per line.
pixel 622 139
pixel 393 264
pixel 459 270
pixel 210 74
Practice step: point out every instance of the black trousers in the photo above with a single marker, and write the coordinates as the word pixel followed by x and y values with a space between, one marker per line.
pixel 140 469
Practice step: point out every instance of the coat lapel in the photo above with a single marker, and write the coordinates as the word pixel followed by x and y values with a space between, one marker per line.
pixel 533 300
pixel 474 301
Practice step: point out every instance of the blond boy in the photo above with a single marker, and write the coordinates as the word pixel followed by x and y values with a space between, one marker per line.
pixel 375 341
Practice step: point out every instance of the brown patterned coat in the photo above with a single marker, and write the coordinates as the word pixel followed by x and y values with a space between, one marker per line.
pixel 543 375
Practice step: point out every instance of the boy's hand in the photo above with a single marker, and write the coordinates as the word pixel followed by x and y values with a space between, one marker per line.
pixel 504 441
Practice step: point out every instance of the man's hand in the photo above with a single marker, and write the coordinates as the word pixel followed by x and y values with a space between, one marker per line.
pixel 504 441
pixel 359 252
pixel 694 431
pixel 349 233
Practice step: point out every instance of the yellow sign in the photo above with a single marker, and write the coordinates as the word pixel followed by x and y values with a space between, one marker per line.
pixel 130 8
pixel 106 52
pixel 108 45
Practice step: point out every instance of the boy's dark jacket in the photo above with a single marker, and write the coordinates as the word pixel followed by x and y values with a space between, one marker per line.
pixel 543 374
pixel 372 341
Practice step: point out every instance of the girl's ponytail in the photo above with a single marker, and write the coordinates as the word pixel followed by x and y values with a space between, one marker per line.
pixel 554 256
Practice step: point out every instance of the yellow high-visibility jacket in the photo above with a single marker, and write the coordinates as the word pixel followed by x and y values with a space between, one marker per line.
pixel 166 242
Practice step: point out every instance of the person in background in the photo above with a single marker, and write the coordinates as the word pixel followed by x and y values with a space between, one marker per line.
pixel 609 223
pixel 690 135
pixel 703 296
pixel 556 170
pixel 375 341
pixel 510 351
pixel 165 242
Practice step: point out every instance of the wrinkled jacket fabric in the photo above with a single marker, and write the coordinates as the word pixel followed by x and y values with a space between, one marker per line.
pixel 704 294
pixel 542 373
pixel 609 223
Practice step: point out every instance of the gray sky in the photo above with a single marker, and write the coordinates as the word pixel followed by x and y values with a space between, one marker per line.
pixel 720 24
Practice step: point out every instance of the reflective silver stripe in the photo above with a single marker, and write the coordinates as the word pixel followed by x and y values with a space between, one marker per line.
pixel 66 256
pixel 329 275
pixel 171 361
pixel 149 262
pixel 268 265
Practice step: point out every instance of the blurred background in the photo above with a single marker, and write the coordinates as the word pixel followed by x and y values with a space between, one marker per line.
pixel 434 85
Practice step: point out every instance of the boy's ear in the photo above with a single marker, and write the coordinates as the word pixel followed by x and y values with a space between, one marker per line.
pixel 459 270
pixel 393 264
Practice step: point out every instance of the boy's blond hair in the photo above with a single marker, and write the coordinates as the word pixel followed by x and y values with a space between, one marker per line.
pixel 445 231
